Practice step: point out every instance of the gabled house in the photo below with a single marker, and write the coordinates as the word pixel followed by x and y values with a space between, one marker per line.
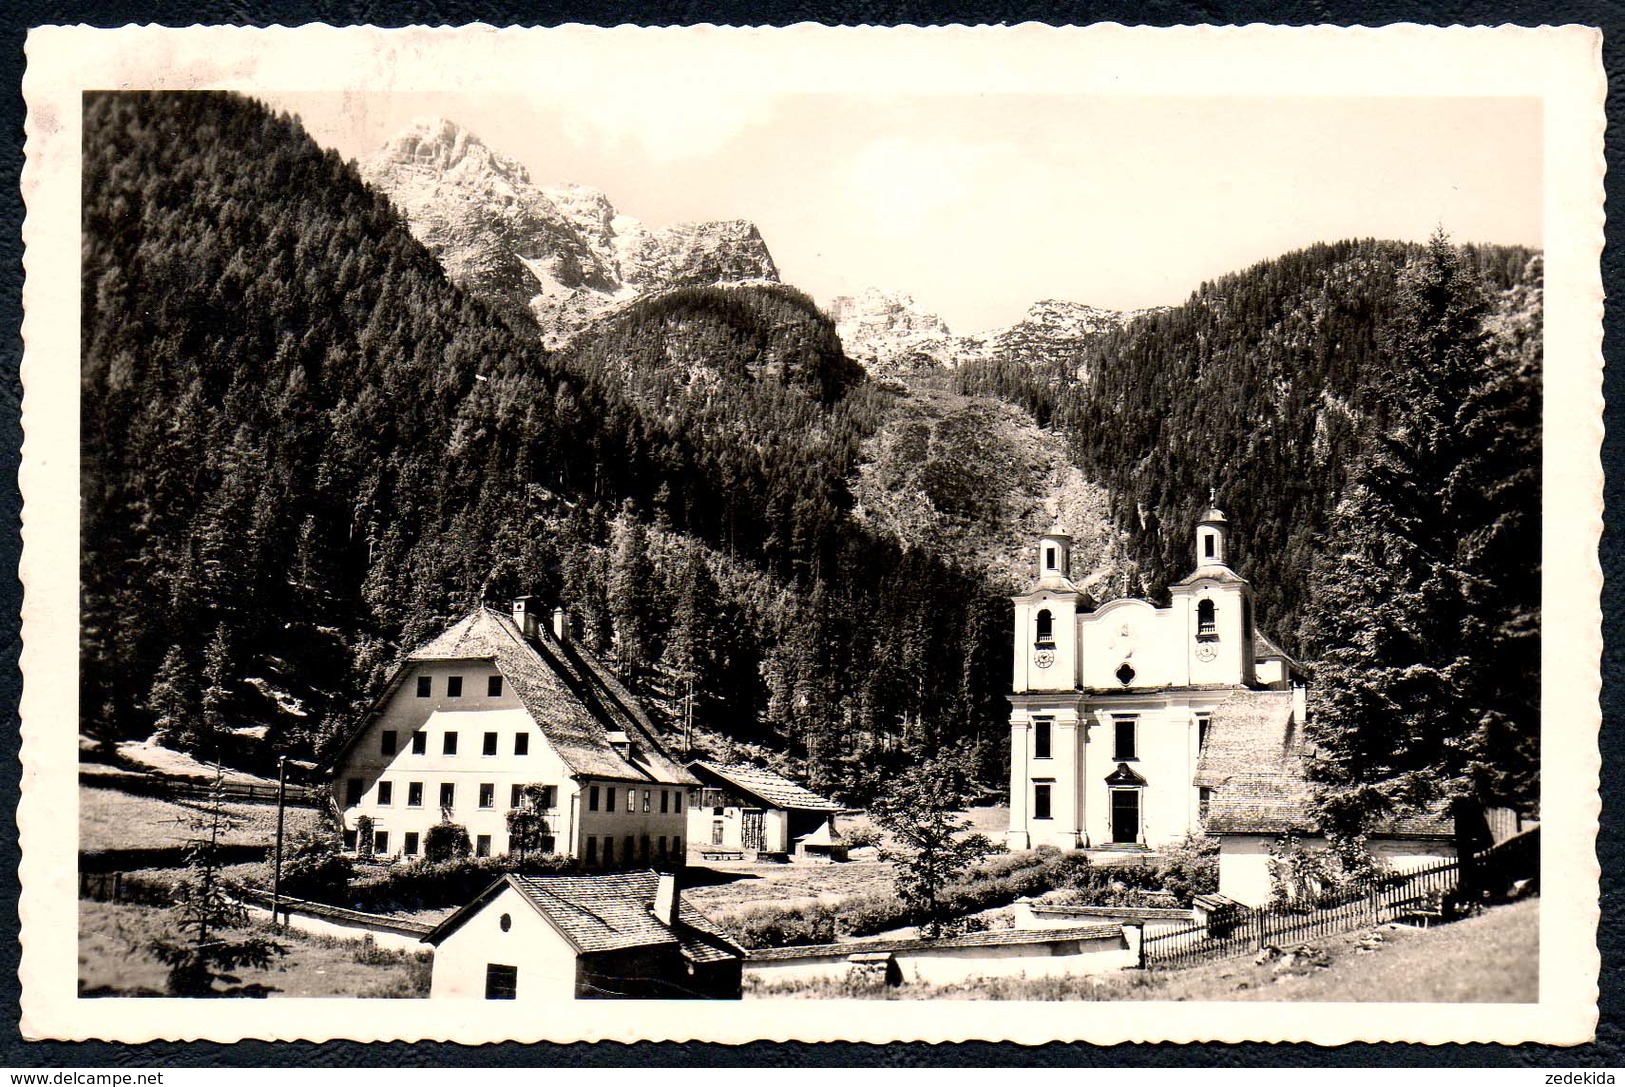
pixel 747 809
pixel 621 935
pixel 1252 770
pixel 1111 707
pixel 500 713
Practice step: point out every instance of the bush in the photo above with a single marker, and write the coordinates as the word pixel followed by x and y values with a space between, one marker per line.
pixel 315 867
pixel 1190 868
pixel 433 885
pixel 785 926
pixel 363 837
pixel 861 835
pixel 446 841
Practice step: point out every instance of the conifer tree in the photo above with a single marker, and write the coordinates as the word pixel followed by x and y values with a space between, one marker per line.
pixel 1399 700
pixel 631 577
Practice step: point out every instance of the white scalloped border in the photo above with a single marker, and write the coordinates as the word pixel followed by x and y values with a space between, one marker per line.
pixel 1561 65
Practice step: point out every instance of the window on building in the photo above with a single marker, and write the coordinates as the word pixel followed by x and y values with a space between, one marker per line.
pixel 660 847
pixel 521 743
pixel 380 842
pixel 677 801
pixel 643 847
pixel 609 850
pixel 516 796
pixel 425 686
pixel 592 798
pixel 448 795
pixel 1049 558
pixel 716 832
pixel 1044 627
pixel 489 746
pixel 420 743
pixel 448 744
pixel 1123 735
pixel 353 788
pixel 1041 791
pixel 493 687
pixel 549 798
pixel 1207 626
pixel 482 845
pixel 646 801
pixel 386 793
pixel 488 794
pixel 454 686
pixel 414 794
pixel 1041 730
pixel 1207 545
pixel 1204 723
pixel 631 800
pixel 664 801
pixel 627 851
pixel 349 840
pixel 388 741
pixel 609 797
pixel 677 846
pixel 592 850
pixel 501 982
pixel 409 843
pixel 1204 798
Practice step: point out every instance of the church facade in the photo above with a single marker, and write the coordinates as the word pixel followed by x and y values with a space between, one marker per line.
pixel 1112 708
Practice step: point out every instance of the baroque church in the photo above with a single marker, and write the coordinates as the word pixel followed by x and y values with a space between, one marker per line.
pixel 1113 708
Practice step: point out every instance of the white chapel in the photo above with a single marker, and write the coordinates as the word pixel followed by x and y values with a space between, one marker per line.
pixel 1112 708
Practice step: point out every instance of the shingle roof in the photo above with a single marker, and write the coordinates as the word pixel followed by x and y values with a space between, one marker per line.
pixel 1213 571
pixel 608 912
pixel 1253 762
pixel 573 698
pixel 772 789
pixel 1002 938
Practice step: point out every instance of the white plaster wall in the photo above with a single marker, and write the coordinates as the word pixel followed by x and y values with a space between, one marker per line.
pixel 323 926
pixel 1407 855
pixel 939 966
pixel 1244 873
pixel 546 962
pixel 1130 630
pixel 1062 674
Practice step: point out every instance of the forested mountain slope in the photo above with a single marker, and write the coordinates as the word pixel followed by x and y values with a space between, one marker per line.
pixel 1264 388
pixel 304 448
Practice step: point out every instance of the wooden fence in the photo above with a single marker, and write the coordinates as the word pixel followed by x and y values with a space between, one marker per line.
pixel 120 887
pixel 236 791
pixel 1425 893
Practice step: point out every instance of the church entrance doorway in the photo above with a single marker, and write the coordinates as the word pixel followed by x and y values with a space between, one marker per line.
pixel 1125 816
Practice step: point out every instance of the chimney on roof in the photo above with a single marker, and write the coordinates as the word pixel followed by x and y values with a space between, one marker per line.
pixel 524 615
pixel 561 624
pixel 666 895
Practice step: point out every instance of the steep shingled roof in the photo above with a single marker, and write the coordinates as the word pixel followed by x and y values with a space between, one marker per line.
pixel 772 789
pixel 1253 762
pixel 608 912
pixel 573 698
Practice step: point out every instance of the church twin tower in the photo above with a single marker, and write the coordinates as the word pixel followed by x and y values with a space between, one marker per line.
pixel 1111 708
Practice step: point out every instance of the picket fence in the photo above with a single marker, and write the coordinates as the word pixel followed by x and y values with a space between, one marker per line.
pixel 1423 894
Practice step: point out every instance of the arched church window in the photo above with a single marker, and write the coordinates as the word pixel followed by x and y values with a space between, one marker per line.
pixel 1045 627
pixel 1207 626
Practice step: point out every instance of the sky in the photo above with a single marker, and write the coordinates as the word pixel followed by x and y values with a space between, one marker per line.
pixel 980 205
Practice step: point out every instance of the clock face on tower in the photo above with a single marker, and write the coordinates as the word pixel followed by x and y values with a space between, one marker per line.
pixel 1206 651
pixel 1043 658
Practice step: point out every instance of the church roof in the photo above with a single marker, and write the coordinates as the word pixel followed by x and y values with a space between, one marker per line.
pixel 774 790
pixel 1215 571
pixel 575 700
pixel 1254 763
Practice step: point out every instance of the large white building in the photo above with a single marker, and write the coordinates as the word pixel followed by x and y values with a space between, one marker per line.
pixel 500 713
pixel 1111 708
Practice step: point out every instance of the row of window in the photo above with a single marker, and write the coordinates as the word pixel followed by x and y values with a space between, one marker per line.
pixel 1125 737
pixel 389 742
pixel 634 849
pixel 1041 801
pixel 454 686
pixel 412 843
pixel 669 800
pixel 1207 627
pixel 355 789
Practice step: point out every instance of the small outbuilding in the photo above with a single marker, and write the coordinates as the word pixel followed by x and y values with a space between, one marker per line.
pixel 623 935
pixel 749 811
pixel 1254 789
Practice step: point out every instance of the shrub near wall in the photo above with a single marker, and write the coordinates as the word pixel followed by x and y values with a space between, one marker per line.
pixel 433 885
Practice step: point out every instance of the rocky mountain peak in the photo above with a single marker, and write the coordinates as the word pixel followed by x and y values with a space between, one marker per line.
pixel 561 254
